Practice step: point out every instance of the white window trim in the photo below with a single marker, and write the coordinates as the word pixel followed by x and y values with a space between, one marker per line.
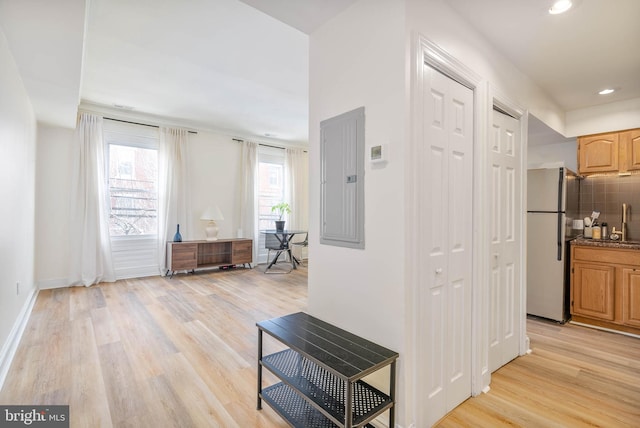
pixel 133 255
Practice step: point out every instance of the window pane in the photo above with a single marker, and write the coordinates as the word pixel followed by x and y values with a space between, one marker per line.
pixel 133 176
pixel 271 192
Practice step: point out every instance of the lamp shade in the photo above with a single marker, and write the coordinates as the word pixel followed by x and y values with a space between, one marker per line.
pixel 212 213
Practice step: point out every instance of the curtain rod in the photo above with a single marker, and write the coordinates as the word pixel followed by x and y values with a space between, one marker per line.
pixel 264 145
pixel 142 124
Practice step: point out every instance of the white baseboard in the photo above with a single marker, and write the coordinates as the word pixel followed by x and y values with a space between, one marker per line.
pixel 52 283
pixel 11 345
pixel 137 272
pixel 126 273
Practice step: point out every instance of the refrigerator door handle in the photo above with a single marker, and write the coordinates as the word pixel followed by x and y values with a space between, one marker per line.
pixel 560 211
pixel 560 226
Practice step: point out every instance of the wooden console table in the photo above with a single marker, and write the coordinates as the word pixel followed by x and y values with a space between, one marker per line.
pixel 192 255
pixel 321 374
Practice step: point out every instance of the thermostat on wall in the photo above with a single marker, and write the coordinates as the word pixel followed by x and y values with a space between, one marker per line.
pixel 378 153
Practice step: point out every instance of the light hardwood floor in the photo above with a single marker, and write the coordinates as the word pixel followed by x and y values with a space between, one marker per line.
pixel 181 352
pixel 574 377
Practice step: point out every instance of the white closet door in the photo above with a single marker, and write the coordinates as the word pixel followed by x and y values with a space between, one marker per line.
pixel 444 330
pixel 506 210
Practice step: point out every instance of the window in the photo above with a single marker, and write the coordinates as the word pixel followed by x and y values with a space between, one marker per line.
pixel 133 192
pixel 270 190
pixel 132 165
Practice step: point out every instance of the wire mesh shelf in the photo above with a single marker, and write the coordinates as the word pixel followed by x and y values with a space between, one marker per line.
pixel 325 389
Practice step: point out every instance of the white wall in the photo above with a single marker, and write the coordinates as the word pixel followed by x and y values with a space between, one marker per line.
pixel 53 179
pixel 565 153
pixel 363 57
pixel 214 168
pixel 17 193
pixel 609 117
pixel 357 59
pixel 442 25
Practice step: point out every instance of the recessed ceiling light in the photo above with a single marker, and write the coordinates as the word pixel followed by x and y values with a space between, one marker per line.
pixel 560 6
pixel 606 91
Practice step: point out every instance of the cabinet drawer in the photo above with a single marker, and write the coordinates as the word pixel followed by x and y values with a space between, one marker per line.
pixel 606 255
pixel 242 252
pixel 183 256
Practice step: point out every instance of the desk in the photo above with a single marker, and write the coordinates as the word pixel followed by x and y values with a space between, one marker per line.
pixel 278 240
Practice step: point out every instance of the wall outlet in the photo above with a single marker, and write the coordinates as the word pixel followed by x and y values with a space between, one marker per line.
pixel 18 288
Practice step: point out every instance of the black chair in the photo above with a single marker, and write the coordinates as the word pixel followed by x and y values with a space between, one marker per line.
pixel 279 244
pixel 301 245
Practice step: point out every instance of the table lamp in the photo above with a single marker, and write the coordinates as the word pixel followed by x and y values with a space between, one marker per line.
pixel 211 215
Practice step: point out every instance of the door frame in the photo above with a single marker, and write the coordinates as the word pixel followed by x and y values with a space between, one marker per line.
pixel 486 96
pixel 509 106
pixel 497 99
pixel 426 51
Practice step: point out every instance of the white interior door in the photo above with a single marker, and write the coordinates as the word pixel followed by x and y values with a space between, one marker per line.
pixel 444 320
pixel 506 211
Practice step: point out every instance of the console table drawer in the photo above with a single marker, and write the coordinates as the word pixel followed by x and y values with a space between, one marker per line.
pixel 184 256
pixel 242 252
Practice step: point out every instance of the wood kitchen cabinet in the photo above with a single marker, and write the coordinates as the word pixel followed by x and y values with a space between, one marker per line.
pixel 598 153
pixel 613 152
pixel 605 287
pixel 630 150
pixel 631 296
pixel 593 294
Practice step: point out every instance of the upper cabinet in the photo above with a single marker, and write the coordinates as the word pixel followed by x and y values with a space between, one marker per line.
pixel 630 150
pixel 598 153
pixel 609 153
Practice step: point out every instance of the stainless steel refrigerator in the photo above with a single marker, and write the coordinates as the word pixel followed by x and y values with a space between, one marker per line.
pixel 553 199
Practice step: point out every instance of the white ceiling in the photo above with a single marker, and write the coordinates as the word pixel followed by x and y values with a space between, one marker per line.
pixel 225 65
pixel 572 56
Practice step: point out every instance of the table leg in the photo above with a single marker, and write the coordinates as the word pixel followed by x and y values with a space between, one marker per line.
pixel 259 405
pixel 392 394
pixel 348 411
pixel 275 259
pixel 293 259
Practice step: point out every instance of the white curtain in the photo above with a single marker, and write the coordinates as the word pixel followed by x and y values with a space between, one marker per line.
pixel 90 243
pixel 248 194
pixel 296 170
pixel 173 190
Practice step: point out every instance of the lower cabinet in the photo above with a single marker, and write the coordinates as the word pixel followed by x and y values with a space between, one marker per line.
pixel 631 297
pixel 605 287
pixel 593 294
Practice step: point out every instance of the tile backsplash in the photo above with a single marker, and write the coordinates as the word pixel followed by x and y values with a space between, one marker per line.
pixel 607 194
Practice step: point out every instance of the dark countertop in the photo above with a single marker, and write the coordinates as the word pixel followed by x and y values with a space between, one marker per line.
pixel 606 243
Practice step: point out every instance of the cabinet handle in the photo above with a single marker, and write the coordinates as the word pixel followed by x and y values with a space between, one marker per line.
pixel 438 271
